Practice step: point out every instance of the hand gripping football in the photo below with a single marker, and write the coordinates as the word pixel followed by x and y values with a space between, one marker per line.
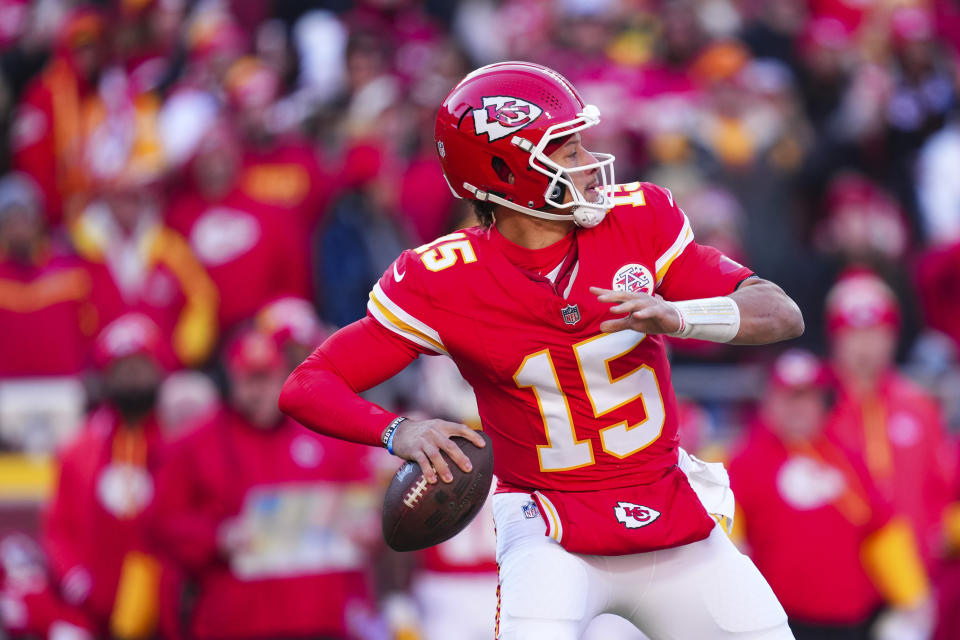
pixel 417 514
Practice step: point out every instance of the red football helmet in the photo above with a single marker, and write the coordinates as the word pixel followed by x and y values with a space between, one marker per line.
pixel 504 119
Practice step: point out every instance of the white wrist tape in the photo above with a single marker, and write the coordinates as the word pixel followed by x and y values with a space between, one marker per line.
pixel 713 319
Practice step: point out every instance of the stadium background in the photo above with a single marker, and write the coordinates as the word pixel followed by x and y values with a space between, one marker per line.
pixel 283 151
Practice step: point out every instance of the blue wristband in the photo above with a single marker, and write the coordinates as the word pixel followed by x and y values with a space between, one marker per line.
pixel 389 432
pixel 390 442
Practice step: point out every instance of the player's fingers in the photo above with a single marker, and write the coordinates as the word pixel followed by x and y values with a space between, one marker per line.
pixel 611 326
pixel 644 314
pixel 421 459
pixel 471 435
pixel 457 455
pixel 609 295
pixel 634 304
pixel 443 469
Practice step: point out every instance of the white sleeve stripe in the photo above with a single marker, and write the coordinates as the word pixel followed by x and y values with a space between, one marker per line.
pixel 409 335
pixel 402 315
pixel 684 238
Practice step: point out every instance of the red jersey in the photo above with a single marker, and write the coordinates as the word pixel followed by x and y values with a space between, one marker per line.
pixel 289 176
pixel 304 505
pixel 807 509
pixel 245 247
pixel 105 490
pixel 568 407
pixel 63 299
pixel 902 436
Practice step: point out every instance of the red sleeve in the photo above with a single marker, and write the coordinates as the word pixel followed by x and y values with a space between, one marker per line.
pixel 702 272
pixel 400 303
pixel 321 393
pixel 685 269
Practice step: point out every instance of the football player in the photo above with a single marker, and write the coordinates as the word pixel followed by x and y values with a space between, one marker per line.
pixel 554 309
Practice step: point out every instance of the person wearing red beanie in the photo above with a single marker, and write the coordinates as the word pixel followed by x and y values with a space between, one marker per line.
pixel 272 524
pixel 95 527
pixel 815 523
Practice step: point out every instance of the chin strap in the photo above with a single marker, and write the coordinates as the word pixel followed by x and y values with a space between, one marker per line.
pixel 589 217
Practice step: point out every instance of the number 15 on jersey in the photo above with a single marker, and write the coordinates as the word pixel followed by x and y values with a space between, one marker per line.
pixel 606 393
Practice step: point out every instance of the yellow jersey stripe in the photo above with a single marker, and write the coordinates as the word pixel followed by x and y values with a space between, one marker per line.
pixel 683 241
pixel 381 312
pixel 422 327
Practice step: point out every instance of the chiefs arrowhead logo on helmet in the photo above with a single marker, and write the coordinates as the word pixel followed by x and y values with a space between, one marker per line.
pixel 502 115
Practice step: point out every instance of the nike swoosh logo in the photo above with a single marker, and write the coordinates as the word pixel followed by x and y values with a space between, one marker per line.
pixel 396 274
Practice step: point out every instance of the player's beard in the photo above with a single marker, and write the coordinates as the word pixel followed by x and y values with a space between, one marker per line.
pixel 133 403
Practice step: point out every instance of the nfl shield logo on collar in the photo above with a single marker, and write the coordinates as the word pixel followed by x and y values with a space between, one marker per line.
pixel 571 314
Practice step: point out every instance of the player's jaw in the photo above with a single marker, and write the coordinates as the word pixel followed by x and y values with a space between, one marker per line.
pixel 571 156
pixel 586 183
pixel 591 192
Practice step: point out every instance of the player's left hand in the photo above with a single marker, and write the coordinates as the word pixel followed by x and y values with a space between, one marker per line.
pixel 643 312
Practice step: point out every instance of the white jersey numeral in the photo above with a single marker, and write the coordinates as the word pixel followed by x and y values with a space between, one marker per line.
pixel 442 253
pixel 631 194
pixel 605 393
pixel 563 450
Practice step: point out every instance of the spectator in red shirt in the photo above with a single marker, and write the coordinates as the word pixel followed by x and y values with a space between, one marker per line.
pixel 280 167
pixel 272 522
pixel 50 125
pixel 152 266
pixel 896 426
pixel 44 292
pixel 252 250
pixel 814 522
pixel 95 529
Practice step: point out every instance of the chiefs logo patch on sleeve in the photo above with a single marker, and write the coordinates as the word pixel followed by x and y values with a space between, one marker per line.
pixel 502 115
pixel 634 278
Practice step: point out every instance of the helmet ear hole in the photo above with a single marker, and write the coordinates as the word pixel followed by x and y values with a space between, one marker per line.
pixel 558 192
pixel 502 170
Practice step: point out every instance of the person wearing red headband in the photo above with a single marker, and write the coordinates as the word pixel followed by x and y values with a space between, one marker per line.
pixel 273 524
pixel 815 524
pixel 895 424
pixel 95 529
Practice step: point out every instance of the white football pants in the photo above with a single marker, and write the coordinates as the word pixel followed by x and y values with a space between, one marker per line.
pixel 699 591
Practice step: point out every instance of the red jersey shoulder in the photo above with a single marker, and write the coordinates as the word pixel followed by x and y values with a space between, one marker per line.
pixel 403 300
pixel 650 207
pixel 648 214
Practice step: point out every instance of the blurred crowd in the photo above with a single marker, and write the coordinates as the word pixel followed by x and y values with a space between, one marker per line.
pixel 194 193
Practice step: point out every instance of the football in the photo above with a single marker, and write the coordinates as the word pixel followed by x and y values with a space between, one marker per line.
pixel 417 514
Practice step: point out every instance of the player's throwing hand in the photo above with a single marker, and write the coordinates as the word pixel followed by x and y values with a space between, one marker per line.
pixel 644 313
pixel 423 440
